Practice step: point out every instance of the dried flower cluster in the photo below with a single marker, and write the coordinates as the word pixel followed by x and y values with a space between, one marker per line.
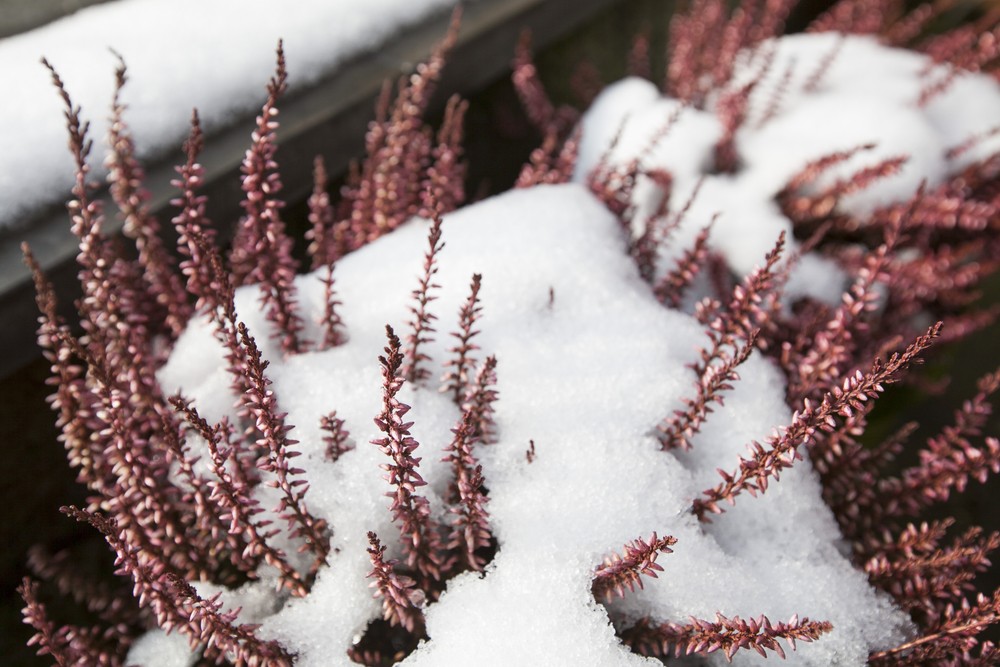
pixel 176 519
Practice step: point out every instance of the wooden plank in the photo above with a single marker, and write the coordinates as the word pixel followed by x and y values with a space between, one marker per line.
pixel 18 16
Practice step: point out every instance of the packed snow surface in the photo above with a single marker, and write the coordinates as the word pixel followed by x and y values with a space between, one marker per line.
pixel 215 55
pixel 589 363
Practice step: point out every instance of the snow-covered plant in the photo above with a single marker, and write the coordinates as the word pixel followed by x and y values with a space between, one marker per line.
pixel 676 327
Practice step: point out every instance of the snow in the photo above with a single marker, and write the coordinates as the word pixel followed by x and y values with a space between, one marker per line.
pixel 158 648
pixel 568 382
pixel 867 96
pixel 215 55
pixel 586 376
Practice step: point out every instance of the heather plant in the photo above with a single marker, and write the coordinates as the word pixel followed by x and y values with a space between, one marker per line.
pixel 676 326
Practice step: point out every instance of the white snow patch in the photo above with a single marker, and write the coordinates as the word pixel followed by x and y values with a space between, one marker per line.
pixel 215 55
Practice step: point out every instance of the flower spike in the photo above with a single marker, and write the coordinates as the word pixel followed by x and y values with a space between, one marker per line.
pixel 410 510
pixel 617 573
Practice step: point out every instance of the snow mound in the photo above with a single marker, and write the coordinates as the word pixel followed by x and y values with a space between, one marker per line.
pixel 586 376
